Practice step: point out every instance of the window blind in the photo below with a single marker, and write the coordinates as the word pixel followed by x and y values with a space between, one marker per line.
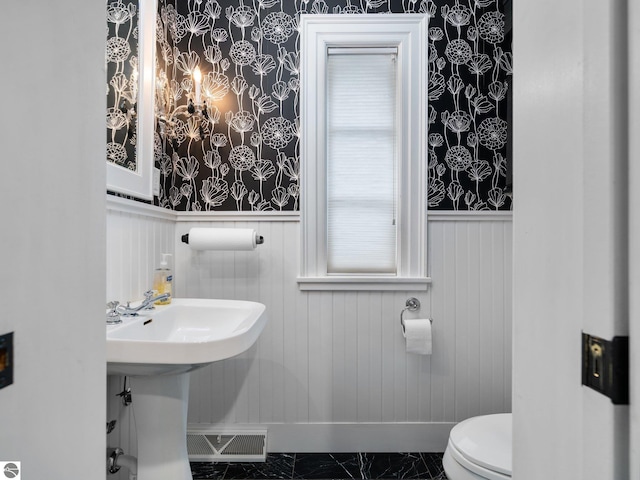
pixel 361 161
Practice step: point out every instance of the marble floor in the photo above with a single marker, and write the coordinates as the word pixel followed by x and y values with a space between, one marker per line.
pixel 315 466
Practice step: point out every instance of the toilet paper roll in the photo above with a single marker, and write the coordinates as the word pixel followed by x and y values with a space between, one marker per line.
pixel 222 238
pixel 417 333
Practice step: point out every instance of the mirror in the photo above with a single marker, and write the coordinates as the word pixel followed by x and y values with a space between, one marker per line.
pixel 130 123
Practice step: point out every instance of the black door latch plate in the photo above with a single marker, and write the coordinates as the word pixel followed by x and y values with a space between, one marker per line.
pixel 605 366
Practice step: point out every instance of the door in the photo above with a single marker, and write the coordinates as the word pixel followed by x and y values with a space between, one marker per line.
pixel 571 248
pixel 634 234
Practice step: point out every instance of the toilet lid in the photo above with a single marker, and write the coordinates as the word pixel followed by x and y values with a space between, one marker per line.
pixel 485 441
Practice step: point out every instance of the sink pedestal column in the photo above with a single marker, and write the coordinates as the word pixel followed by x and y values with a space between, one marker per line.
pixel 160 408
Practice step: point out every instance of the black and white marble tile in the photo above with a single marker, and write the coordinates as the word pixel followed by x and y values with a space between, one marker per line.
pixel 208 470
pixel 276 466
pixel 433 462
pixel 392 465
pixel 326 466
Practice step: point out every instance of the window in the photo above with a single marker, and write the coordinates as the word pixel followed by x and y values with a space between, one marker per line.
pixel 363 211
pixel 361 161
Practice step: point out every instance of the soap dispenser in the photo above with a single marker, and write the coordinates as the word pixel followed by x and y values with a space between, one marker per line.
pixel 162 280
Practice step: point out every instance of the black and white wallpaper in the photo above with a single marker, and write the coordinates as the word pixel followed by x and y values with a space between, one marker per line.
pixel 242 153
pixel 122 88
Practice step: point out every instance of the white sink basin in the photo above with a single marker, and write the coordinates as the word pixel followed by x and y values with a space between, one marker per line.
pixel 182 336
pixel 158 349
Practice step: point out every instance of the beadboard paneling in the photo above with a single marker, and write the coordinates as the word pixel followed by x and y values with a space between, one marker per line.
pixel 333 358
pixel 470 264
pixel 135 241
pixel 338 357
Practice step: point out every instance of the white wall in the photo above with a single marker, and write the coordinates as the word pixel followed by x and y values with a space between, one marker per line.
pixel 52 243
pixel 330 368
pixel 569 247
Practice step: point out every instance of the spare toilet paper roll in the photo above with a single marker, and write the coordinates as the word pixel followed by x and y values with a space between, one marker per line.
pixel 222 238
pixel 417 332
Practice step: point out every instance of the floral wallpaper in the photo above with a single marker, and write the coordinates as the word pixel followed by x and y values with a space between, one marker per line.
pixel 122 88
pixel 231 139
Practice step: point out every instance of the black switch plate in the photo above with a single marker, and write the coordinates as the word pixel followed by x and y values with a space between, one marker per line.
pixel 605 366
pixel 6 359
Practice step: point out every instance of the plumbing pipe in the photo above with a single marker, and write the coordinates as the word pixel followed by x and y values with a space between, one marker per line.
pixel 130 463
pixel 117 459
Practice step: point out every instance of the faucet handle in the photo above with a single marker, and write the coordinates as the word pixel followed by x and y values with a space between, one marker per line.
pixel 113 316
pixel 148 296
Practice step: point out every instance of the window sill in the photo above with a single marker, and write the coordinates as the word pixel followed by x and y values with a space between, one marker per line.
pixel 364 283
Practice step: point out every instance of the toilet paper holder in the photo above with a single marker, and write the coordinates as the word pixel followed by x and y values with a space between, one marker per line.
pixel 412 304
pixel 259 239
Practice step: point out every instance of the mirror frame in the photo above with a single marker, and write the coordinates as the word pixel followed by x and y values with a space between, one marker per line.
pixel 139 183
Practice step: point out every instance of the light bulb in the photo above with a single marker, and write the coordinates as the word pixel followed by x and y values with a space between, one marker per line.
pixel 197 75
pixel 197 79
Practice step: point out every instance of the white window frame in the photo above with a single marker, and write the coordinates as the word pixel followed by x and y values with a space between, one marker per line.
pixel 407 33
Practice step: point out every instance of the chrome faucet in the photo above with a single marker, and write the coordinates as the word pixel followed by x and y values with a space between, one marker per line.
pixel 146 304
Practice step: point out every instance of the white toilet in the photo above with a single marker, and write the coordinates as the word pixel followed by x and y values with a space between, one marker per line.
pixel 480 449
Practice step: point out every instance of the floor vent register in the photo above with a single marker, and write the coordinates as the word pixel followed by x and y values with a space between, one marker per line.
pixel 227 447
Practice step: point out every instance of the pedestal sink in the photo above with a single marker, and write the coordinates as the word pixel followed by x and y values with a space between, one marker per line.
pixel 157 350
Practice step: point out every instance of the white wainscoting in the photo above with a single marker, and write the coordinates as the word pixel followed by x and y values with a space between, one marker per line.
pixel 329 372
pixel 338 358
pixel 136 236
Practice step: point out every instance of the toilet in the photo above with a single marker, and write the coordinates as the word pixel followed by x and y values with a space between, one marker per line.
pixel 479 448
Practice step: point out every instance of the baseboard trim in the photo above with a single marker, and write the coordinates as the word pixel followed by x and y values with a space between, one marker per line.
pixel 347 437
